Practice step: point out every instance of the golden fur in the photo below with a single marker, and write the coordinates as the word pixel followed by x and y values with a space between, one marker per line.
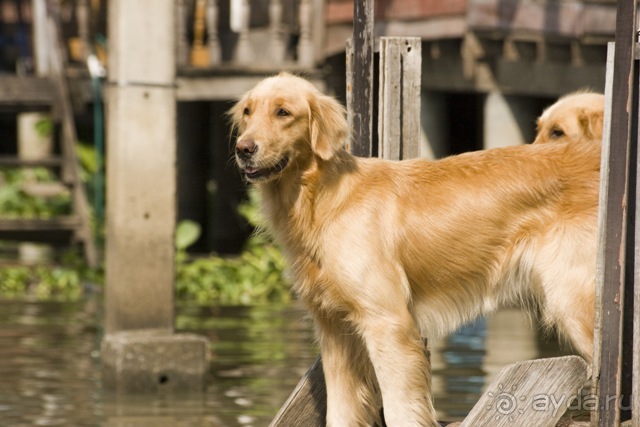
pixel 576 116
pixel 382 253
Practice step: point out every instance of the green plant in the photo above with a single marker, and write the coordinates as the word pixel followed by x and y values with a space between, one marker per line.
pixel 44 127
pixel 254 276
pixel 15 202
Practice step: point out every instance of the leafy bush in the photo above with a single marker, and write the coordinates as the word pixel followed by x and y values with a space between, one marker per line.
pixel 16 203
pixel 66 281
pixel 255 276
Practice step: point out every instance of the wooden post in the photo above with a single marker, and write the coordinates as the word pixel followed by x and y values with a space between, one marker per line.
pixel 213 45
pixel 82 17
pixel 612 376
pixel 182 41
pixel 277 39
pixel 243 49
pixel 399 98
pixel 602 215
pixel 40 42
pixel 306 406
pixel 360 78
pixel 306 57
pixel 199 53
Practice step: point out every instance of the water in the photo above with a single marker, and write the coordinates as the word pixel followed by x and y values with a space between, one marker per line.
pixel 50 365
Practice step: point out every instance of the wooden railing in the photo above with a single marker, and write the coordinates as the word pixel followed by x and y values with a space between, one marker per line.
pixel 248 34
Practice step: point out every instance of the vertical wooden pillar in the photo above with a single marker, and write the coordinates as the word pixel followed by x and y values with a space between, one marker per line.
pixel 141 174
pixel 40 43
pixel 616 268
pixel 360 78
pixel 399 97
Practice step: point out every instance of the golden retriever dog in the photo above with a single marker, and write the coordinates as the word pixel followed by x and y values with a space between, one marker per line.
pixel 382 253
pixel 576 116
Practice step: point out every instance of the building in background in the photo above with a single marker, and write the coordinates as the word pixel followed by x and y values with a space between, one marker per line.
pixel 488 69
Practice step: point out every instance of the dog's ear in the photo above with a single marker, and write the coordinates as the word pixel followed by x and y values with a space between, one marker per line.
pixel 327 125
pixel 591 123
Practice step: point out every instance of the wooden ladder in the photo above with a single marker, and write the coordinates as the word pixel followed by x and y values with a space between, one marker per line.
pixel 50 93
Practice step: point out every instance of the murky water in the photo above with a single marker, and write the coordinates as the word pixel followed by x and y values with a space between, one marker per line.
pixel 50 365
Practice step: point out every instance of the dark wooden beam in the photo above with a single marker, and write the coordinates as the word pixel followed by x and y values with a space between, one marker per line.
pixel 618 243
pixel 361 86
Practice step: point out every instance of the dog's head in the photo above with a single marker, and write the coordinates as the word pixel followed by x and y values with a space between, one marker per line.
pixel 574 116
pixel 285 123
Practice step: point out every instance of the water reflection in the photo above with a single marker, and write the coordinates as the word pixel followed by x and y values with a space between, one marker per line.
pixel 50 367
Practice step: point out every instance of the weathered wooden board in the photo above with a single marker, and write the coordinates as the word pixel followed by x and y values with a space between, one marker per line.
pixel 399 98
pixel 360 79
pixel 602 214
pixel 26 92
pixel 617 257
pixel 307 404
pixel 531 393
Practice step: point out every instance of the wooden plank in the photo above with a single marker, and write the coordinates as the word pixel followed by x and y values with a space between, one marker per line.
pixel 616 256
pixel 57 231
pixel 71 168
pixel 602 211
pixel 531 393
pixel 399 98
pixel 25 92
pixel 13 161
pixel 390 99
pixel 411 91
pixel 361 81
pixel 36 224
pixel 307 404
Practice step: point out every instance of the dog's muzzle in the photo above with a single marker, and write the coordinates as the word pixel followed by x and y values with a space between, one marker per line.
pixel 254 172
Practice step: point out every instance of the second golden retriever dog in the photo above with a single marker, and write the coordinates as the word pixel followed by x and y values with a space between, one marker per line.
pixel 575 116
pixel 382 253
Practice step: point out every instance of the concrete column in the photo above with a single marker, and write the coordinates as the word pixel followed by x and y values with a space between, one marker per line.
pixel 141 205
pixel 141 174
pixel 34 143
pixel 508 120
pixel 40 44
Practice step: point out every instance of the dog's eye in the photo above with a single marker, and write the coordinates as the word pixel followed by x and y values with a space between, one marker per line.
pixel 556 133
pixel 282 112
pixel 246 111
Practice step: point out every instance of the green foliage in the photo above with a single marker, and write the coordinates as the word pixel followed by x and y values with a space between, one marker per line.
pixel 187 232
pixel 44 127
pixel 46 282
pixel 16 203
pixel 253 277
pixel 42 283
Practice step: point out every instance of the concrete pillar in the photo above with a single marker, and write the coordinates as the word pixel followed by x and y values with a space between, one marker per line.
pixel 508 120
pixel 141 204
pixel 40 43
pixel 35 142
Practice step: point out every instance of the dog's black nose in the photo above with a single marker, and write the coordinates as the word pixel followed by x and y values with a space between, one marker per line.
pixel 246 148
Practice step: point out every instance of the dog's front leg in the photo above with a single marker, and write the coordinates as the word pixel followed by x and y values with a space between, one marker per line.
pixel 349 376
pixel 398 358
